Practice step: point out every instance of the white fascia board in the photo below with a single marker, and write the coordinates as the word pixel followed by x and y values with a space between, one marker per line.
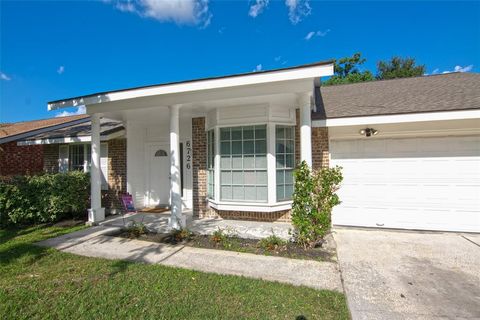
pixel 208 84
pixel 398 118
pixel 62 140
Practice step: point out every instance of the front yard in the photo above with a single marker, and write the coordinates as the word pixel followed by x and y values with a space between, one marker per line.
pixel 40 283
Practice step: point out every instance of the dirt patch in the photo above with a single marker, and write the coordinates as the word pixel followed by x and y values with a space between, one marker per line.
pixel 287 250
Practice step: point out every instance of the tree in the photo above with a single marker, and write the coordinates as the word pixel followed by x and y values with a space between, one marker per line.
pixel 347 71
pixel 398 67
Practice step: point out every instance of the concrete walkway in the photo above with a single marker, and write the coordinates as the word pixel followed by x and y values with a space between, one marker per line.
pixel 98 242
pixel 410 275
pixel 158 222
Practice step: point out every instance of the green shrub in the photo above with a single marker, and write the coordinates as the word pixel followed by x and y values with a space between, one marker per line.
pixel 313 200
pixel 136 229
pixel 272 243
pixel 225 238
pixel 43 198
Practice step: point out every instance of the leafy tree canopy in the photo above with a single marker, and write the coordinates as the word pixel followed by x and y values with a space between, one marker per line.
pixel 347 71
pixel 398 67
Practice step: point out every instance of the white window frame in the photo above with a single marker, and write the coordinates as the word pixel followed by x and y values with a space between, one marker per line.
pixel 272 204
pixel 64 163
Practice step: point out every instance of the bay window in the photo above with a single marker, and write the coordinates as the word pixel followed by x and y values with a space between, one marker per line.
pixel 243 164
pixel 243 171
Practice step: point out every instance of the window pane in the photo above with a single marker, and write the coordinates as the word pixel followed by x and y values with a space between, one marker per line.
pixel 280 177
pixel 289 133
pixel 249 177
pixel 261 162
pixel 226 192
pixel 226 177
pixel 260 132
pixel 280 161
pixel 250 193
pixel 237 162
pixel 280 132
pixel 237 133
pixel 247 133
pixel 280 193
pixel 237 147
pixel 288 191
pixel 237 177
pixel 249 162
pixel 289 147
pixel 261 177
pixel 262 193
pixel 225 148
pixel 260 146
pixel 225 162
pixel 248 147
pixel 289 161
pixel 225 134
pixel 279 147
pixel 238 193
pixel 289 176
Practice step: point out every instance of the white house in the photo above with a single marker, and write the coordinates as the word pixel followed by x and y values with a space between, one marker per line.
pixel 227 146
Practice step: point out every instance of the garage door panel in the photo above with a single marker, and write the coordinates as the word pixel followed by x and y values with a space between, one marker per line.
pixel 414 183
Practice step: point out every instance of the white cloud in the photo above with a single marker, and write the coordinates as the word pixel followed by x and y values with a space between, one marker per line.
pixel 190 12
pixel 61 70
pixel 258 68
pixel 257 7
pixel 3 76
pixel 297 10
pixel 80 110
pixel 460 69
pixel 319 33
pixel 435 71
pixel 277 58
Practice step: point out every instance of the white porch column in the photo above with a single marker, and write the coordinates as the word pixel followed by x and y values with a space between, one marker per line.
pixel 305 129
pixel 96 213
pixel 177 220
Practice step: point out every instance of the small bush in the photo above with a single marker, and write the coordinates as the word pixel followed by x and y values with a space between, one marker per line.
pixel 272 243
pixel 313 200
pixel 225 238
pixel 43 198
pixel 136 229
pixel 182 234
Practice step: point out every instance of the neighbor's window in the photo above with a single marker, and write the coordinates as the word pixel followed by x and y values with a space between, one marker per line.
pixel 243 164
pixel 211 164
pixel 285 155
pixel 76 157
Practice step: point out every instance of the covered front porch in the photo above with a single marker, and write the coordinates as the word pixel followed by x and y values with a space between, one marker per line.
pixel 218 147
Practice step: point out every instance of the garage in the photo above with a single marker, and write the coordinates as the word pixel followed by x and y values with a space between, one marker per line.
pixel 425 183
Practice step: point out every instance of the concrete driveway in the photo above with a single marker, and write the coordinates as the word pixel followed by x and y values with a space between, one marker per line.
pixel 410 275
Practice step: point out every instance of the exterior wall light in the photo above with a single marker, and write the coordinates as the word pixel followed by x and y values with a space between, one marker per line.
pixel 368 132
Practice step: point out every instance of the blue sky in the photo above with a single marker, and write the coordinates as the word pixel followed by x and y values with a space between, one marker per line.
pixel 59 49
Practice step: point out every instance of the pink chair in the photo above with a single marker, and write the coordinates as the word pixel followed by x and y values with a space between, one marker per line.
pixel 128 204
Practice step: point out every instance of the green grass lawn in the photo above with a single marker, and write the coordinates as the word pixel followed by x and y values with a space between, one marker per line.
pixel 41 283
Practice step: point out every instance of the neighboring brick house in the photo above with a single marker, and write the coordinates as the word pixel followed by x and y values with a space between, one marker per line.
pixel 62 144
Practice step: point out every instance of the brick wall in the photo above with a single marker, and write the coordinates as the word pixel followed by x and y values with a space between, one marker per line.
pixel 320 151
pixel 50 158
pixel 199 167
pixel 117 174
pixel 20 159
pixel 279 216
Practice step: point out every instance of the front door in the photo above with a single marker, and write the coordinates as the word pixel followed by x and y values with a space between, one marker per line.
pixel 159 176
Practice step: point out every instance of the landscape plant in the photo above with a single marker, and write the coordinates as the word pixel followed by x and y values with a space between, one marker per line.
pixel 313 200
pixel 43 198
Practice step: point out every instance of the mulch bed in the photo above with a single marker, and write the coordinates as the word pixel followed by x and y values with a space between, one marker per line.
pixel 289 250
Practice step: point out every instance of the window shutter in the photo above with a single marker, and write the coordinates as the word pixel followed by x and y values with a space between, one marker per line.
pixel 104 165
pixel 63 158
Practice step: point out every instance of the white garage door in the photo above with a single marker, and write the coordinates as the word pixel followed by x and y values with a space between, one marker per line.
pixel 412 183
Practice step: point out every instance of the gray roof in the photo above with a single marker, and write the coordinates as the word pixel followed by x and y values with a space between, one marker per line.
pixel 444 92
pixel 107 127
